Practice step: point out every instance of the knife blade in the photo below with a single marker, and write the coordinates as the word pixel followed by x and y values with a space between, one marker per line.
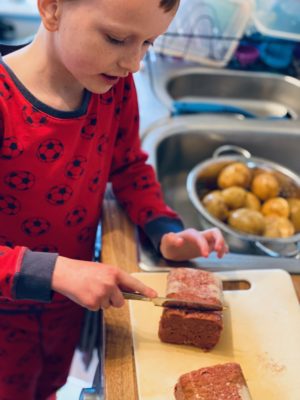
pixel 174 303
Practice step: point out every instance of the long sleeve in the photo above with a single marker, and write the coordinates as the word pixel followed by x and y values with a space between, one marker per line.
pixel 134 181
pixel 24 274
pixel 10 265
pixel 21 274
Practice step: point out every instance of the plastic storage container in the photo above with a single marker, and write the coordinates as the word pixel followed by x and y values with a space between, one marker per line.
pixel 206 31
pixel 278 18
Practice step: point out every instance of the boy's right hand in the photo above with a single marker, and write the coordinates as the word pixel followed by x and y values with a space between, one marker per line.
pixel 94 285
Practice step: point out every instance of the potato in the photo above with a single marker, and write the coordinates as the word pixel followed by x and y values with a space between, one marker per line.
pixel 246 220
pixel 294 205
pixel 252 201
pixel 234 197
pixel 215 205
pixel 276 206
pixel 265 186
pixel 278 227
pixel 235 174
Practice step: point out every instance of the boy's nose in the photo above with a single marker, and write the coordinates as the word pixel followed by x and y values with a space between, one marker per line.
pixel 131 61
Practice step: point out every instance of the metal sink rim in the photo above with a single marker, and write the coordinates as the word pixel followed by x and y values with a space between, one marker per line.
pixel 162 72
pixel 169 126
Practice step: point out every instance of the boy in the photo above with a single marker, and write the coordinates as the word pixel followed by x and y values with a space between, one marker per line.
pixel 69 124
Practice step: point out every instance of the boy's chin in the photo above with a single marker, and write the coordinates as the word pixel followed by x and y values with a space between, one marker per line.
pixel 99 89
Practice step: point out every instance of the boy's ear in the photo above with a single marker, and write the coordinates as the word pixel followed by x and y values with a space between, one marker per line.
pixel 49 12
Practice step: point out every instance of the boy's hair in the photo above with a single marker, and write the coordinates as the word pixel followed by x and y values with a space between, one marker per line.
pixel 168 5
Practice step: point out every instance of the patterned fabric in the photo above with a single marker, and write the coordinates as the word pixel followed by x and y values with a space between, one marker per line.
pixel 36 349
pixel 54 167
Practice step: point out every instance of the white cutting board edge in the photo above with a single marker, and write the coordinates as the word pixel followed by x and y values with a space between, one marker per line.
pixel 261 333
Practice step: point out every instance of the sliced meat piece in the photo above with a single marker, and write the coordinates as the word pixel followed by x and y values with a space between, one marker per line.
pixel 221 381
pixel 194 285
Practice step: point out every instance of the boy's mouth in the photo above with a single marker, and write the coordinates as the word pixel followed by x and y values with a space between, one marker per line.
pixel 110 78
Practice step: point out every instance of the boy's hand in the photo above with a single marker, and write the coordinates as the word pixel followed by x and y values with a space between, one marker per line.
pixel 191 243
pixel 94 285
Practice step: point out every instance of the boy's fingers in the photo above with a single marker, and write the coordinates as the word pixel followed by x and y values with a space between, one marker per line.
pixel 178 241
pixel 173 239
pixel 117 299
pixel 105 304
pixel 216 238
pixel 203 246
pixel 223 250
pixel 214 234
pixel 135 285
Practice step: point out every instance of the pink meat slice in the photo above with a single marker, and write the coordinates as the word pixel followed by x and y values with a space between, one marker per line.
pixel 195 285
pixel 221 381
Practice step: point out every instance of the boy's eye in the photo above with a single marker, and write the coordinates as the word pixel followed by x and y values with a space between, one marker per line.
pixel 115 41
pixel 120 42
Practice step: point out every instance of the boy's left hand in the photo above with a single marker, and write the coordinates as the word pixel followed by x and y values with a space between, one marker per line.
pixel 191 243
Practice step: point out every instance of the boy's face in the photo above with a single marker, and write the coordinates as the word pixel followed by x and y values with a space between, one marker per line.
pixel 99 41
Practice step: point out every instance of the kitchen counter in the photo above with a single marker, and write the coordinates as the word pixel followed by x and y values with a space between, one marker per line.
pixel 120 248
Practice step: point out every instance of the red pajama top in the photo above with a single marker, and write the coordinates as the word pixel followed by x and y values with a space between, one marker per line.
pixel 54 167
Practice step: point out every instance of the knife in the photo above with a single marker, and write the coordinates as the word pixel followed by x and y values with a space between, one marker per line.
pixel 174 303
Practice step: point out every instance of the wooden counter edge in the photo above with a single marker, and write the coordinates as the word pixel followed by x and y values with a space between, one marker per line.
pixel 119 247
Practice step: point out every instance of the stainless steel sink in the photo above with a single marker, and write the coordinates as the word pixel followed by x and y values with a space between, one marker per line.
pixel 264 95
pixel 175 145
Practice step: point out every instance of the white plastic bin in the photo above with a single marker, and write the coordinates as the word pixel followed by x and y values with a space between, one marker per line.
pixel 206 31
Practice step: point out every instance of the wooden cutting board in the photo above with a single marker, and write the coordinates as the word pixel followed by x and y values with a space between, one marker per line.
pixel 261 333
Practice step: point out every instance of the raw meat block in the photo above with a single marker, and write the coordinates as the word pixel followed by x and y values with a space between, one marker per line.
pixel 200 329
